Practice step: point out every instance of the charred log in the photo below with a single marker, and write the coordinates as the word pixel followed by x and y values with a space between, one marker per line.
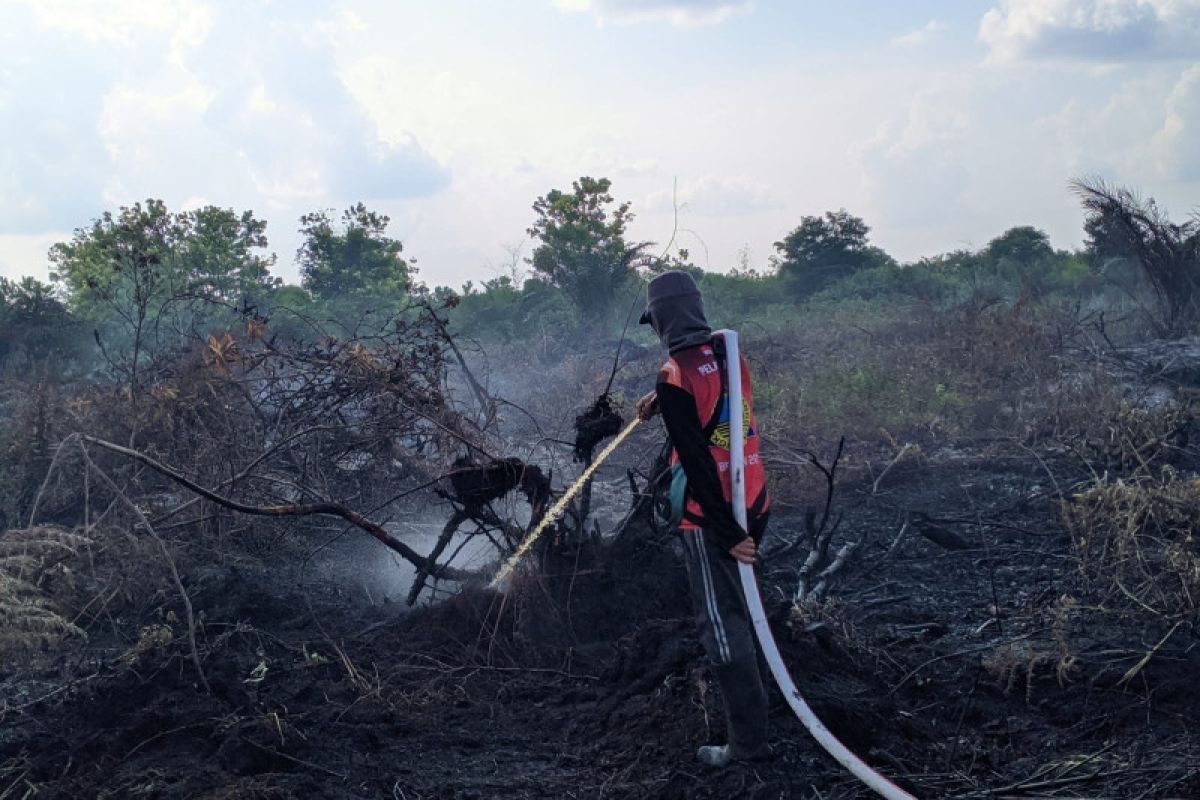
pixel 475 485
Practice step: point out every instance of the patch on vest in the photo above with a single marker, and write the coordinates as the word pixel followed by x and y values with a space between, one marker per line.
pixel 720 434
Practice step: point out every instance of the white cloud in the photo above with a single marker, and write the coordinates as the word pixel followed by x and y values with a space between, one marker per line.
pixel 1092 30
pixel 25 254
pixel 1110 135
pixel 286 106
pixel 921 36
pixel 441 104
pixel 243 104
pixel 1177 143
pixel 52 163
pixel 677 12
pixel 984 149
pixel 713 195
pixel 118 22
pixel 918 165
pixel 610 164
pixel 281 104
pixel 1143 132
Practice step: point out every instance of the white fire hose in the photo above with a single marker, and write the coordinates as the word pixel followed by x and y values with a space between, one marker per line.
pixel 758 615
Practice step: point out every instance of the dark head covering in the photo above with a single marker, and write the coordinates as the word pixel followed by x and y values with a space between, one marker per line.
pixel 675 310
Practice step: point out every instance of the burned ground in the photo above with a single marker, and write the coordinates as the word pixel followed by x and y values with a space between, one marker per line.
pixel 1018 619
pixel 959 672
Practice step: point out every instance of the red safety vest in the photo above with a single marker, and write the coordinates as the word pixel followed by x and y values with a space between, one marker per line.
pixel 698 372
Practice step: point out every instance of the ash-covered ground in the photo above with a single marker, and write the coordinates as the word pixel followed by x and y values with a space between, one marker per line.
pixel 957 672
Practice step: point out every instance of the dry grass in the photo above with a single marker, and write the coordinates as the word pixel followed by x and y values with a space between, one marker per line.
pixel 1129 439
pixel 29 621
pixel 917 373
pixel 1136 541
pixel 1024 661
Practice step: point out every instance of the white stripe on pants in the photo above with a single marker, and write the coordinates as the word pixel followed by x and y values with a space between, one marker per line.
pixel 710 595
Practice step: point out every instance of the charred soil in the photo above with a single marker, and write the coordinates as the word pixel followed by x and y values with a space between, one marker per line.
pixel 973 671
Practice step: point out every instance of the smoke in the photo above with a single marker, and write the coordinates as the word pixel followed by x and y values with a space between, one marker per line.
pixel 370 572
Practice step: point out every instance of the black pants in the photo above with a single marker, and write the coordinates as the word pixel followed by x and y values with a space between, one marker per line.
pixel 727 634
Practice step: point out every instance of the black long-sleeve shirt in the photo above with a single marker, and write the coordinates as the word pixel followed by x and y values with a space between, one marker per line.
pixel 704 483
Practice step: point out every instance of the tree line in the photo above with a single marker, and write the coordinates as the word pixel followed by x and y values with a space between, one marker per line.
pixel 145 278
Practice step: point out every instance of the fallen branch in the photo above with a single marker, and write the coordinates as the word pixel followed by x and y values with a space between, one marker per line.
pixel 457 518
pixel 300 510
pixel 826 576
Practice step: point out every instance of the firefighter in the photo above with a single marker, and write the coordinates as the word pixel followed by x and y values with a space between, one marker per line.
pixel 692 398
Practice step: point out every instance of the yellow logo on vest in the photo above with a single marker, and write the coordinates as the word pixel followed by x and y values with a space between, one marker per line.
pixel 720 435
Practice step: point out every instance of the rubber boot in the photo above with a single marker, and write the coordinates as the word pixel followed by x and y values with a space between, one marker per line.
pixel 720 755
pixel 715 755
pixel 745 715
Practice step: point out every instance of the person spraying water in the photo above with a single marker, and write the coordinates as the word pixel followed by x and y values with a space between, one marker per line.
pixel 692 396
pixel 720 506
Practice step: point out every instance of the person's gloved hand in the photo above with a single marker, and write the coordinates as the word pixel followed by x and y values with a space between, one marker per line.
pixel 647 407
pixel 745 551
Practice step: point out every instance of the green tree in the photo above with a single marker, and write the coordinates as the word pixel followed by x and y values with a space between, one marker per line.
pixel 1022 257
pixel 123 264
pixel 1023 244
pixel 582 248
pixel 223 256
pixel 122 273
pixel 145 256
pixel 825 249
pixel 356 260
pixel 148 277
pixel 35 326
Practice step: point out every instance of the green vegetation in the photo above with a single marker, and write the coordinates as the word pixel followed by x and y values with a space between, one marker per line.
pixel 824 250
pixel 582 249
pixel 356 262
pixel 917 341
pixel 1009 448
pixel 145 258
pixel 35 326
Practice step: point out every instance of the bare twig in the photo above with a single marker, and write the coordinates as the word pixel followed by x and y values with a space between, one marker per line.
pixel 904 451
pixel 896 541
pixel 162 546
pixel 812 527
pixel 1136 668
pixel 486 408
pixel 37 500
pixel 837 565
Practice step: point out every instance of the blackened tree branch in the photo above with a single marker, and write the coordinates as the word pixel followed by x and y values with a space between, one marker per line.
pixel 296 510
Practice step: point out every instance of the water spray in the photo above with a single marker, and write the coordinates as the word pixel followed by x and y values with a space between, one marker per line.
pixel 762 629
pixel 558 508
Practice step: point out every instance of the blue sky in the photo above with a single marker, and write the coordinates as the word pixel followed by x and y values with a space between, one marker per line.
pixel 941 122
